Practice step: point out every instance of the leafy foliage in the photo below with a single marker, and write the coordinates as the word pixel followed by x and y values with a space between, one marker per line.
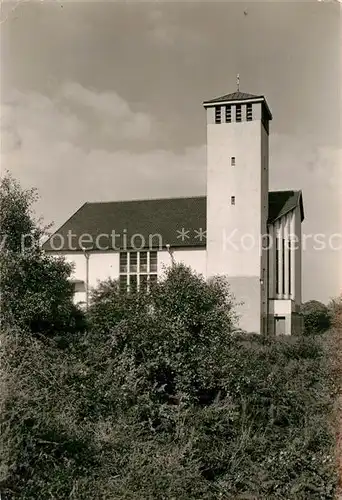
pixel 35 291
pixel 19 229
pixel 335 311
pixel 162 404
pixel 316 317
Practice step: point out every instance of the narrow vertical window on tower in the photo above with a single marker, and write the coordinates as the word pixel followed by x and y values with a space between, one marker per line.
pixel 232 200
pixel 217 114
pixel 228 114
pixel 232 161
pixel 277 266
pixel 249 112
pixel 238 113
pixel 283 268
pixel 289 250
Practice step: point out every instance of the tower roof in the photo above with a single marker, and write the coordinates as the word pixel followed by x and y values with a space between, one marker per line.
pixel 234 96
pixel 238 97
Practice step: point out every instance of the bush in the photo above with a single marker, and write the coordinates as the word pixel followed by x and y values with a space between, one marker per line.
pixel 316 317
pixel 165 403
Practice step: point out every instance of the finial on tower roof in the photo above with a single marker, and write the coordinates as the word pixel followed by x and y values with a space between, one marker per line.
pixel 238 82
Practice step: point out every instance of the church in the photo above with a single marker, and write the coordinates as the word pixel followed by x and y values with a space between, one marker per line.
pixel 240 229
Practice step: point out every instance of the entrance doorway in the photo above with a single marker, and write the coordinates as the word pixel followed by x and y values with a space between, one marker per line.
pixel 279 325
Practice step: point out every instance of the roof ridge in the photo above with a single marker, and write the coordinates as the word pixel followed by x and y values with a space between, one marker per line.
pixel 237 95
pixel 147 200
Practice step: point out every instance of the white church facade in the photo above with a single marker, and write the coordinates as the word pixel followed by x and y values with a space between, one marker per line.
pixel 239 229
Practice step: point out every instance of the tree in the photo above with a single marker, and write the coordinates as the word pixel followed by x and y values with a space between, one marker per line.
pixel 316 317
pixel 175 334
pixel 335 311
pixel 35 291
pixel 18 227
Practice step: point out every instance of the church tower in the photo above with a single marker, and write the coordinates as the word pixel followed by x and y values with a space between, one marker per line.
pixel 237 200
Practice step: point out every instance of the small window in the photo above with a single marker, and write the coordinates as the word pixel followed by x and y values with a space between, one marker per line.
pixel 153 262
pixel 78 286
pixel 238 113
pixel 232 161
pixel 228 114
pixel 218 114
pixel 123 262
pixel 249 112
pixel 143 262
pixel 232 200
pixel 133 262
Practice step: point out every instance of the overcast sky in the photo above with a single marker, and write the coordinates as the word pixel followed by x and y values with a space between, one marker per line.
pixel 103 101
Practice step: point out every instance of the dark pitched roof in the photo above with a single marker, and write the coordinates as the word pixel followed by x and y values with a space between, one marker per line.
pixel 165 217
pixel 282 202
pixel 142 219
pixel 234 96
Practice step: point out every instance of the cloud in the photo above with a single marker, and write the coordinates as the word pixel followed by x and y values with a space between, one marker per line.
pixel 113 111
pixel 82 146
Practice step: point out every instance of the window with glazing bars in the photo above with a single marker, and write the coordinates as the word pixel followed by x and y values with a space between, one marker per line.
pixel 138 270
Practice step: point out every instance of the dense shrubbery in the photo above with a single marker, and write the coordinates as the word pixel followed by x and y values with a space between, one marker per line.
pixel 152 408
pixel 317 318
pixel 158 399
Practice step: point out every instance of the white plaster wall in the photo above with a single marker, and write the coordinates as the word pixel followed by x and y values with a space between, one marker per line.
pixel 193 257
pixel 106 265
pixel 246 291
pixel 242 221
pixel 234 232
pixel 102 265
pixel 281 307
pixel 264 217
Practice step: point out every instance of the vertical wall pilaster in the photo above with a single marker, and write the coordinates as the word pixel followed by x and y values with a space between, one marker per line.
pixel 271 261
pixel 293 254
pixel 285 223
pixel 280 259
